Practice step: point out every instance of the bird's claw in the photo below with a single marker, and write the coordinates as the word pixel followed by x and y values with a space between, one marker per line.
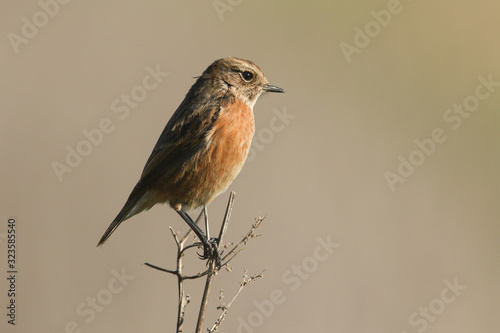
pixel 211 252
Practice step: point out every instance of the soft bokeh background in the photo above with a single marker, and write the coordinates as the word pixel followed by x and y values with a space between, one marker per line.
pixel 319 174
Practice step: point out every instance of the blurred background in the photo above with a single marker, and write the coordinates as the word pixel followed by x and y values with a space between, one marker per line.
pixel 377 171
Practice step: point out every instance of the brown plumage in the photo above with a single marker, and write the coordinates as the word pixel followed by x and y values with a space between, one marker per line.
pixel 204 145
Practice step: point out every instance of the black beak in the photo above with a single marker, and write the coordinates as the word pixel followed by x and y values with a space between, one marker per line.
pixel 271 88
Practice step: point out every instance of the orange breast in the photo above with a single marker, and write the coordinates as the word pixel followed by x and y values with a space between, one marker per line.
pixel 213 169
pixel 230 140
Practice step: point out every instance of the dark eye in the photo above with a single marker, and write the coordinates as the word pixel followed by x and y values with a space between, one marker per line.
pixel 247 76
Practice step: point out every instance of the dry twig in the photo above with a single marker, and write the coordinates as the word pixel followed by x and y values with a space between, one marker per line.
pixel 212 270
pixel 225 308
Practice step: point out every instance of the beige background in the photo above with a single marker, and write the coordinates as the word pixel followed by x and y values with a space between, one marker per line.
pixel 322 175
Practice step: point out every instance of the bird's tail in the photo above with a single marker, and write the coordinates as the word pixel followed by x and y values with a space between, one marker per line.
pixel 134 205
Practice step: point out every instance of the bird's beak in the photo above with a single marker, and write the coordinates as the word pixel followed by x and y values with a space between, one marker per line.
pixel 271 88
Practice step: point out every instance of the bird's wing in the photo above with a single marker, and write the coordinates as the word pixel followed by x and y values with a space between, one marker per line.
pixel 184 136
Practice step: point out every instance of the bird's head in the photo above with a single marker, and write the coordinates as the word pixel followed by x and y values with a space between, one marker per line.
pixel 241 77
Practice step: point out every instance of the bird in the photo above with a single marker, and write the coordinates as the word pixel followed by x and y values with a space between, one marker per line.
pixel 203 146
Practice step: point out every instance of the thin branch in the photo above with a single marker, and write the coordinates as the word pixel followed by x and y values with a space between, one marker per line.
pixel 160 268
pixel 225 308
pixel 213 267
pixel 184 299
pixel 227 215
pixel 175 234
pixel 250 234
pixel 183 302
pixel 204 301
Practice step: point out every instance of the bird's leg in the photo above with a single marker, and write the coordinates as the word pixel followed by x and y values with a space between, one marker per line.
pixel 210 248
pixel 194 226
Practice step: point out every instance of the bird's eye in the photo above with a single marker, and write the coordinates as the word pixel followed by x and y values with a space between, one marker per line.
pixel 247 76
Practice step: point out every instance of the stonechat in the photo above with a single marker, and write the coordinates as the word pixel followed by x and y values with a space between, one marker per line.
pixel 204 144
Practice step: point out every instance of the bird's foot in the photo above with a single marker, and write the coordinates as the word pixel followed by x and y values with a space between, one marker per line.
pixel 211 252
